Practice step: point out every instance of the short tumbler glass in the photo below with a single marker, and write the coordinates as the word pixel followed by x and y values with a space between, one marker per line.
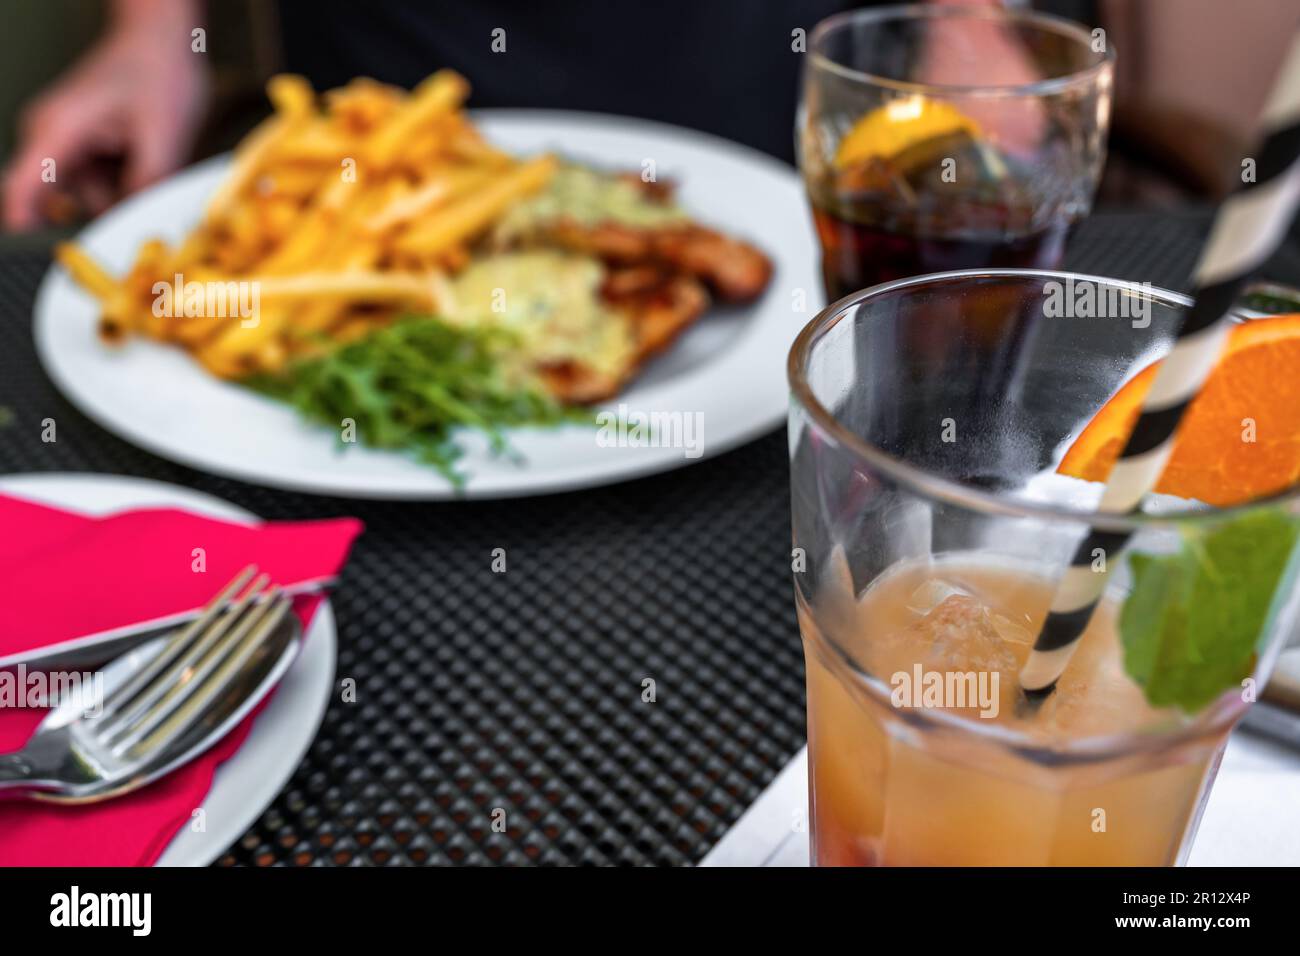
pixel 940 137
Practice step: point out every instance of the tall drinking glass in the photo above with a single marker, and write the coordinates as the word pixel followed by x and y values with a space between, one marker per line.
pixel 935 138
pixel 930 523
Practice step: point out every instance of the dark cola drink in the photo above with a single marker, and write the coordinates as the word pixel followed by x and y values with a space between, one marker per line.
pixel 857 255
pixel 950 203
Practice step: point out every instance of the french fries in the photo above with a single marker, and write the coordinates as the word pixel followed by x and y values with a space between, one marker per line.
pixel 85 271
pixel 473 213
pixel 435 97
pixel 338 213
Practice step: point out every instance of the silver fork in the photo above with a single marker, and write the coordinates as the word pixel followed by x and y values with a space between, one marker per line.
pixel 163 703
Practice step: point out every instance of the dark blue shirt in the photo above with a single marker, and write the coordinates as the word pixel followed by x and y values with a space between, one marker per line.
pixel 725 66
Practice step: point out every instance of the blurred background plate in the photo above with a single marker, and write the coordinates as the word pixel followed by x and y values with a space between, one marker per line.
pixel 729 368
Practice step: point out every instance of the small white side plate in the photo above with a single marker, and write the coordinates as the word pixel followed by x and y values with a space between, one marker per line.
pixel 245 784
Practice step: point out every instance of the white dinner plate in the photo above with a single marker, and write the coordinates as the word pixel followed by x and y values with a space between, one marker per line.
pixel 245 784
pixel 728 370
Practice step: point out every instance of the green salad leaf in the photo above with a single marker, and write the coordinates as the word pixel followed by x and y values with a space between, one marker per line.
pixel 414 384
pixel 1194 621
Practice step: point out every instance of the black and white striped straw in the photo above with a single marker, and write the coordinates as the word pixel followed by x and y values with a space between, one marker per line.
pixel 1248 228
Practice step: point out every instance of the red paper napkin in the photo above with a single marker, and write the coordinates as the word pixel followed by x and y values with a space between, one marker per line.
pixel 67 575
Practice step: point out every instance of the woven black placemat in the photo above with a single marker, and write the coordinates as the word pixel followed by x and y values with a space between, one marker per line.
pixel 523 691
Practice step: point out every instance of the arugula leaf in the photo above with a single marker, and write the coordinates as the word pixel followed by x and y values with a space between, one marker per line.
pixel 1194 621
pixel 412 385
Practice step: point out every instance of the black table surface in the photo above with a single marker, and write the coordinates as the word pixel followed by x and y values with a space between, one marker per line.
pixel 523 691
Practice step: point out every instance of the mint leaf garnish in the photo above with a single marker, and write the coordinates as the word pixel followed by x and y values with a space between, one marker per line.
pixel 1194 622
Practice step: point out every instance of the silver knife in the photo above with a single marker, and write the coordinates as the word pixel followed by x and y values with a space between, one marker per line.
pixel 91 650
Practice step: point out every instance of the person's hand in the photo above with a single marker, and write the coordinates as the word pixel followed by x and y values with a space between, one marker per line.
pixel 122 117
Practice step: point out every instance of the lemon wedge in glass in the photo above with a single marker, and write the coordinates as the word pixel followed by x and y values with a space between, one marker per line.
pixel 890 129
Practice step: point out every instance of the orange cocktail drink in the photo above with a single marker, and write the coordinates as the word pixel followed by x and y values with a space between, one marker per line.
pixel 943 471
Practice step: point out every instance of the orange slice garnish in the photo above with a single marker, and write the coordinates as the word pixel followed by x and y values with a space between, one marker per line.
pixel 888 130
pixel 1240 437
